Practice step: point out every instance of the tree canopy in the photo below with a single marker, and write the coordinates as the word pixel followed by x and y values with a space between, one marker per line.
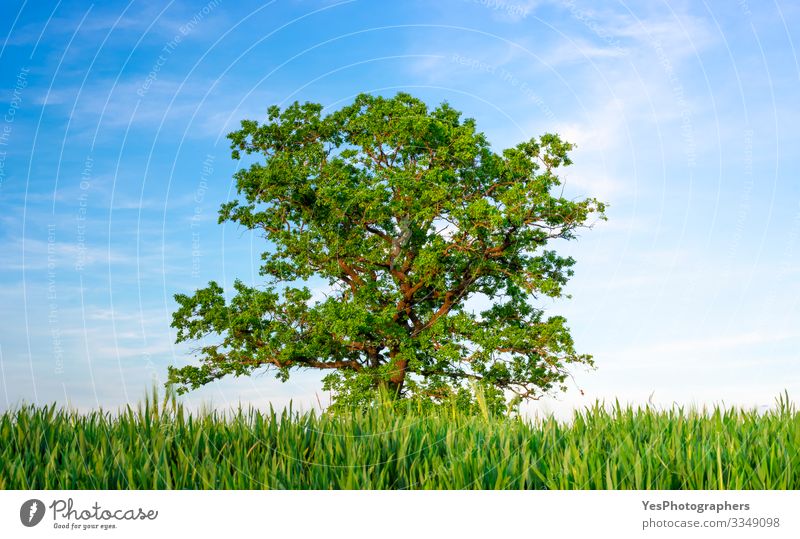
pixel 407 213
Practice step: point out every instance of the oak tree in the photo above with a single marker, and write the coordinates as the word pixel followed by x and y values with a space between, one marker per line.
pixel 407 214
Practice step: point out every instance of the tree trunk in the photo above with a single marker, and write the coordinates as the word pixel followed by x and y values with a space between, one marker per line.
pixel 397 374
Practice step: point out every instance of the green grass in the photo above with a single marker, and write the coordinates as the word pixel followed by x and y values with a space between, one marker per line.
pixel 161 446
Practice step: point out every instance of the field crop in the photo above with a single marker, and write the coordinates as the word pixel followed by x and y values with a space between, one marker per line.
pixel 159 445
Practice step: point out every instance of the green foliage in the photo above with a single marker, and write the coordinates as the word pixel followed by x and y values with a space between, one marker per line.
pixel 407 213
pixel 402 445
pixel 358 393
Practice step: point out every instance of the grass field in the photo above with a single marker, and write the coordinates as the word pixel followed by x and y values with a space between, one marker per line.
pixel 160 446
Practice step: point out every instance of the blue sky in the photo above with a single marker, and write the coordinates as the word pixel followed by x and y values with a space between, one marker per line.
pixel 113 162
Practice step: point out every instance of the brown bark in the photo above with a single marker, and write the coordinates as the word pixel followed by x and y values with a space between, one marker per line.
pixel 398 373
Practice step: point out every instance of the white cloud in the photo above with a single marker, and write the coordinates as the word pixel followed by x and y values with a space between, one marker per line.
pixel 39 255
pixel 677 348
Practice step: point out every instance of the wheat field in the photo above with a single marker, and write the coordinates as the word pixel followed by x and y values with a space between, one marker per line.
pixel 159 445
